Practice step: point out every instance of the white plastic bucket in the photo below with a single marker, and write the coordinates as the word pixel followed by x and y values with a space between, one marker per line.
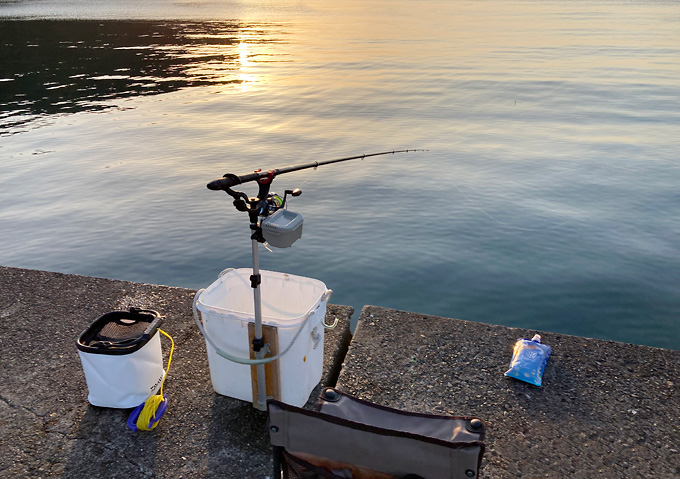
pixel 227 307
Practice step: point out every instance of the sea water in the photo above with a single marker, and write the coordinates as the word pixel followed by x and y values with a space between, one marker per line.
pixel 548 199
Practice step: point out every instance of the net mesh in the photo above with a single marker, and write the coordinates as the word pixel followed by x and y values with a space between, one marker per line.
pixel 121 330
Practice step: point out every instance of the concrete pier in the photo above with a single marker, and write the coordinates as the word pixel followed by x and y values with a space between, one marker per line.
pixel 49 430
pixel 605 409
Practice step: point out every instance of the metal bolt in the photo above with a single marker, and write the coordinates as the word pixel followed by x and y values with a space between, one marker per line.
pixel 470 473
pixel 274 429
pixel 476 424
pixel 331 395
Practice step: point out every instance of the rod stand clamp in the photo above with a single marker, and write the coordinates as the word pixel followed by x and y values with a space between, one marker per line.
pixel 258 344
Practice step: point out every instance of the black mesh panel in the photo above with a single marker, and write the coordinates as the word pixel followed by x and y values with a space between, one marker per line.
pixel 121 330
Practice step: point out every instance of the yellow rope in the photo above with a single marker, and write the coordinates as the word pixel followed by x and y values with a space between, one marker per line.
pixel 148 413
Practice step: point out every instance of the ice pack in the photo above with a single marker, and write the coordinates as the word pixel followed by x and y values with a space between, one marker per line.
pixel 528 360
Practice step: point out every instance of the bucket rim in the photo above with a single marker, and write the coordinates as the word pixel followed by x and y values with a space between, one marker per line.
pixel 249 316
pixel 152 317
pixel 290 323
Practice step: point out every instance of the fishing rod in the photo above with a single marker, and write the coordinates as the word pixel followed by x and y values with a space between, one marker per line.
pixel 270 223
pixel 229 180
pixel 265 203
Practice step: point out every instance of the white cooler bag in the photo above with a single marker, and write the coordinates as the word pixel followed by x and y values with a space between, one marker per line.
pixel 122 358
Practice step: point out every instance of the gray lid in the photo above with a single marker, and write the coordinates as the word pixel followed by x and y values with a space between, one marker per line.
pixel 282 228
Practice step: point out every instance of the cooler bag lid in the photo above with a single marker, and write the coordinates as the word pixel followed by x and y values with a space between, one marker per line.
pixel 120 332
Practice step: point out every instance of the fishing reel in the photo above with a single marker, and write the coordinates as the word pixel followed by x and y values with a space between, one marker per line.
pixel 261 205
pixel 256 206
pixel 275 202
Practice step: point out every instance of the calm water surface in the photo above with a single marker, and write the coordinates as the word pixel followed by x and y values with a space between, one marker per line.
pixel 548 199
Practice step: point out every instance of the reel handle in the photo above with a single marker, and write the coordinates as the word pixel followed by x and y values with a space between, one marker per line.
pixel 294 192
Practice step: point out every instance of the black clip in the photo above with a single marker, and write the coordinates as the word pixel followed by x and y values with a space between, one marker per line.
pixel 258 343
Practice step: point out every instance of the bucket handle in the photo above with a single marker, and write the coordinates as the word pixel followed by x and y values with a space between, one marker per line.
pixel 330 326
pixel 249 361
pixel 326 297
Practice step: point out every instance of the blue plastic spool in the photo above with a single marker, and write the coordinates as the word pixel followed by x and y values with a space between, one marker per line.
pixel 132 420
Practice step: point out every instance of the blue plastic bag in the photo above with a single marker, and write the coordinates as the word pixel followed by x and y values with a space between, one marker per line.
pixel 528 360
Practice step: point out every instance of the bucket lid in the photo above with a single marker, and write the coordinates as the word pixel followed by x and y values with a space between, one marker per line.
pixel 120 332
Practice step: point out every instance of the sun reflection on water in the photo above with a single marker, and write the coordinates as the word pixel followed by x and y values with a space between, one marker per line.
pixel 245 76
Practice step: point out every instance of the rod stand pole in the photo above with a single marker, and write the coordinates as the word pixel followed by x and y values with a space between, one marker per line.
pixel 259 348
